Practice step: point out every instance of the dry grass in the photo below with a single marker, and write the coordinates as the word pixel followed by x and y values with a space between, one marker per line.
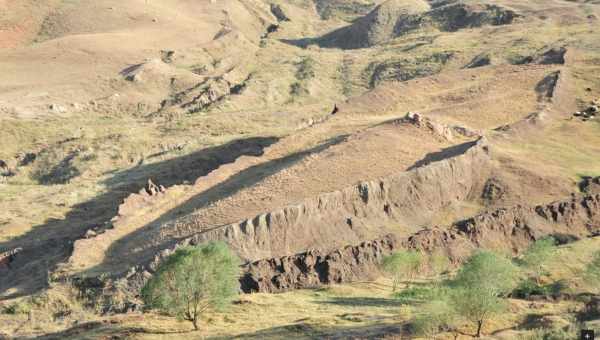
pixel 356 309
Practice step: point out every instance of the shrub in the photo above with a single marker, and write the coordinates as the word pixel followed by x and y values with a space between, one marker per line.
pixel 417 295
pixel 436 316
pixel 529 287
pixel 20 307
pixel 537 256
pixel 439 263
pixel 402 265
pixel 194 280
pixel 306 69
pixel 477 291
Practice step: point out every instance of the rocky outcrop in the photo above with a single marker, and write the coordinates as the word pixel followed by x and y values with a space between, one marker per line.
pixel 552 56
pixel 513 228
pixel 510 229
pixel 590 185
pixel 7 257
pixel 397 17
pixel 315 268
pixel 143 198
pixel 455 16
pixel 406 68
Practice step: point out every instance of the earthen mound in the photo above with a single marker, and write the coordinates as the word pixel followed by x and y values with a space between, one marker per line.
pixel 379 26
pixel 396 17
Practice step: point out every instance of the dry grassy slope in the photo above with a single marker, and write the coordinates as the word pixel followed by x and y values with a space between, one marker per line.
pixel 85 56
pixel 360 309
pixel 84 60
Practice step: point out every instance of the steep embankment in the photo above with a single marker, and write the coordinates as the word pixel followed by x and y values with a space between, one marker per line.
pixel 514 228
pixel 508 229
pixel 368 208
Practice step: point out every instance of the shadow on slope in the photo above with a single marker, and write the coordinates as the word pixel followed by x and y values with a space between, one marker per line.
pixel 122 249
pixel 448 152
pixel 302 329
pixel 51 243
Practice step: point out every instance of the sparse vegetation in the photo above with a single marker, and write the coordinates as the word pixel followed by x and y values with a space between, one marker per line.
pixel 477 292
pixel 97 98
pixel 436 316
pixel 537 255
pixel 403 265
pixel 193 281
pixel 592 271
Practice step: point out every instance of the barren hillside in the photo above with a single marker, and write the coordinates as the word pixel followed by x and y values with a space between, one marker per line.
pixel 291 130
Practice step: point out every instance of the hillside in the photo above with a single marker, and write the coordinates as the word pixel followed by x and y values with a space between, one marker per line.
pixel 288 129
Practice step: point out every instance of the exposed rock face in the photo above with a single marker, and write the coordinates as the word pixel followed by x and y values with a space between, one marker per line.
pixel 552 56
pixel 354 214
pixel 592 308
pixel 456 16
pixel 314 268
pixel 407 69
pixel 494 190
pixel 344 9
pixel 504 229
pixel 590 185
pixel 5 170
pixel 135 201
pixel 513 228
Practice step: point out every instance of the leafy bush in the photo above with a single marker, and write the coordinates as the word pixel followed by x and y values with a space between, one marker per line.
pixel 529 287
pixel 439 263
pixel 194 280
pixel 402 265
pixel 537 255
pixel 306 69
pixel 421 294
pixel 20 307
pixel 436 316
pixel 477 291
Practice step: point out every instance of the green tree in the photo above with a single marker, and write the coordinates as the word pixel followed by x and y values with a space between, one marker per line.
pixel 402 265
pixel 478 290
pixel 537 255
pixel 193 280
pixel 438 263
